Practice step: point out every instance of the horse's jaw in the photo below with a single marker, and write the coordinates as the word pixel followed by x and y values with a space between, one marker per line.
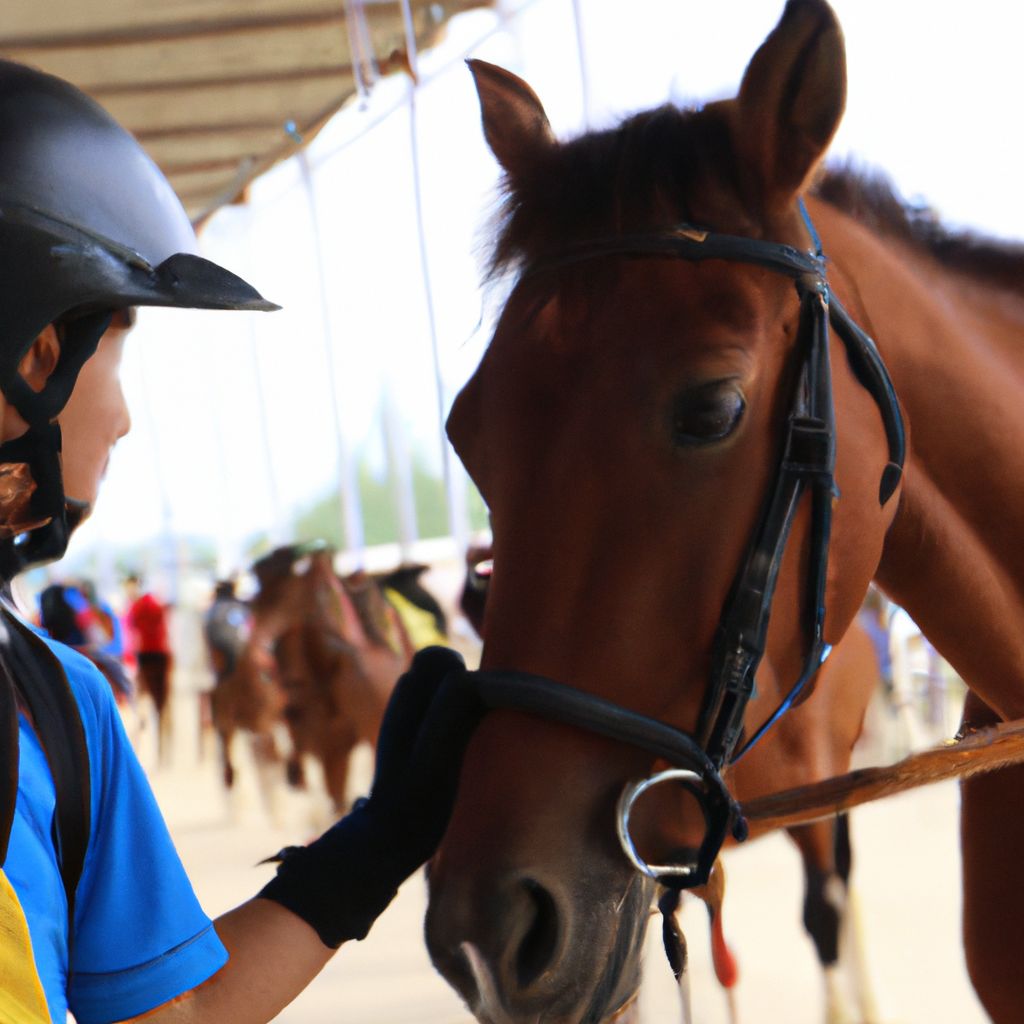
pixel 582 982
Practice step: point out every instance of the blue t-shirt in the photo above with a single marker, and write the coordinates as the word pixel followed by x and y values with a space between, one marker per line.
pixel 141 937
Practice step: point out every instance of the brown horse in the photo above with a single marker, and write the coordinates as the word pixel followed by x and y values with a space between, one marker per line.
pixel 321 657
pixel 246 694
pixel 655 378
pixel 337 681
pixel 813 742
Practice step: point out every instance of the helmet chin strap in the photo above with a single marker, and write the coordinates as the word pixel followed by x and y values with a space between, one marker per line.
pixel 76 512
pixel 36 518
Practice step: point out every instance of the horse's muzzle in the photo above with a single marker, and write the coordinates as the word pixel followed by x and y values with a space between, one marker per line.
pixel 532 952
pixel 692 768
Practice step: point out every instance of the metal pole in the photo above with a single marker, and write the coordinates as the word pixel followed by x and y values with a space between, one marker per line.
pixel 227 546
pixel 401 475
pixel 364 64
pixel 278 532
pixel 279 529
pixel 167 560
pixel 348 476
pixel 454 484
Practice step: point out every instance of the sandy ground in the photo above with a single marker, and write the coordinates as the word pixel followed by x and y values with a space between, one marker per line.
pixel 907 869
pixel 906 875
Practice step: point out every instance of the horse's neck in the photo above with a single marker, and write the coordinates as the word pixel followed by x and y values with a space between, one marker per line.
pixel 953 557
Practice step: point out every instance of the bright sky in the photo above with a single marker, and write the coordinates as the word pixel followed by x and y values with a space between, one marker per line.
pixel 235 422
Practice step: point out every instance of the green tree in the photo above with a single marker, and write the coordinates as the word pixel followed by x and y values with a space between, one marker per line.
pixel 322 519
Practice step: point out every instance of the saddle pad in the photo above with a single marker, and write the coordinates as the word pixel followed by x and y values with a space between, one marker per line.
pixel 419 624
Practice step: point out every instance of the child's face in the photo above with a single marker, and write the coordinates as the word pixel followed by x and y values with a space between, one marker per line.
pixel 95 417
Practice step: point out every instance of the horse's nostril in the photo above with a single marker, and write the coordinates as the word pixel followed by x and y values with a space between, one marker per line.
pixel 537 948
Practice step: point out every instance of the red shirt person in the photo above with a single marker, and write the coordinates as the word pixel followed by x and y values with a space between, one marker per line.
pixel 146 619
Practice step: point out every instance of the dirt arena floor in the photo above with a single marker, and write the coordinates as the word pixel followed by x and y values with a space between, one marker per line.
pixel 906 876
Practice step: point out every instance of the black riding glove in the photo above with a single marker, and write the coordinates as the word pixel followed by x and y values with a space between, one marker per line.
pixel 342 882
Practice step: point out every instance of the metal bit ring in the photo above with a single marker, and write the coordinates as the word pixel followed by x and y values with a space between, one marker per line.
pixel 632 792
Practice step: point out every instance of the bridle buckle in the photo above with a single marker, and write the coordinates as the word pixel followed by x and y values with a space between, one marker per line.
pixel 809 447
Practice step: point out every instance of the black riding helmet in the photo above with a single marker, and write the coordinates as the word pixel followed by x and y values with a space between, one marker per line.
pixel 88 225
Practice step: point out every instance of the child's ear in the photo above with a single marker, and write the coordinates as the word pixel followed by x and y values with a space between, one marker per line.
pixel 39 362
pixel 36 366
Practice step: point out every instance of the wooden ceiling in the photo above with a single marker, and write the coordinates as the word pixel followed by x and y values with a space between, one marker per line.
pixel 219 90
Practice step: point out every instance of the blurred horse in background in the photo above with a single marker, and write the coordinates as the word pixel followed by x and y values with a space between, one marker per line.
pixel 317 663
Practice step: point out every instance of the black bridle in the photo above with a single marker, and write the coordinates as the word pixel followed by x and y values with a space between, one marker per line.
pixel 807 464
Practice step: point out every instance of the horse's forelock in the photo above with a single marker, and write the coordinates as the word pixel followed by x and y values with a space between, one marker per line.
pixel 639 174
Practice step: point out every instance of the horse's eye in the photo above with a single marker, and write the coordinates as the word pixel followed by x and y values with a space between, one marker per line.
pixel 707 413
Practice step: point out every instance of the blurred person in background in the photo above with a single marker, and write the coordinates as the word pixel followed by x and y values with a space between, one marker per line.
pixel 107 620
pixel 68 615
pixel 149 642
pixel 226 627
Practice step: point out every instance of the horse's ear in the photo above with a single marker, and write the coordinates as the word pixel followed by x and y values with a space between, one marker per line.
pixel 515 125
pixel 790 102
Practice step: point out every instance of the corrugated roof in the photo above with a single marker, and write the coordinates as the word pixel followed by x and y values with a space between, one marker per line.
pixel 219 90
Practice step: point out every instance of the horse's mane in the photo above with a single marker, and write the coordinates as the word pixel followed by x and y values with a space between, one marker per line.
pixel 370 605
pixel 870 198
pixel 639 173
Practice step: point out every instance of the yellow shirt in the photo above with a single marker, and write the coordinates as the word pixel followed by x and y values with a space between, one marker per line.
pixel 21 995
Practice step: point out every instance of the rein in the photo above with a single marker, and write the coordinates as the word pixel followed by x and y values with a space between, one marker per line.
pixel 807 464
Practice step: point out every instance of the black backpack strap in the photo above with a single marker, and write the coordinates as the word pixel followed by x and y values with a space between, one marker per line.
pixel 8 756
pixel 40 679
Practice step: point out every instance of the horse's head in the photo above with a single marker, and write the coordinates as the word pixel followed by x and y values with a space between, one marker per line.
pixel 301 598
pixel 626 429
